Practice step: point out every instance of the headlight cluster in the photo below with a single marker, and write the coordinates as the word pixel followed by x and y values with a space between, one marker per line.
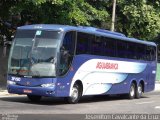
pixel 10 82
pixel 51 85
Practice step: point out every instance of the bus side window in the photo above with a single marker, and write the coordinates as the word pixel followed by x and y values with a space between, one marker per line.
pixel 83 43
pixel 67 51
pixel 148 53
pixel 131 50
pixel 141 51
pixel 109 45
pixel 153 53
pixel 97 46
pixel 122 49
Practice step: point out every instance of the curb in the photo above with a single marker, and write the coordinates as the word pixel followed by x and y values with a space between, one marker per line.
pixel 4 93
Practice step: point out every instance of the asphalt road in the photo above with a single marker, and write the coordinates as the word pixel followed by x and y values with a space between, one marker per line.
pixel 15 105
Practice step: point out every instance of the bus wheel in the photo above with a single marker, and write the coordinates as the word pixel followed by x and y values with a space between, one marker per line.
pixel 34 98
pixel 132 91
pixel 75 94
pixel 139 91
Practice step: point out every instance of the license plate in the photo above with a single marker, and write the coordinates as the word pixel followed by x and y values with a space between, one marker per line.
pixel 27 91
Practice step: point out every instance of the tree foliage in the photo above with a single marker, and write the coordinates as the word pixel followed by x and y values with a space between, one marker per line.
pixel 72 12
pixel 134 18
pixel 139 18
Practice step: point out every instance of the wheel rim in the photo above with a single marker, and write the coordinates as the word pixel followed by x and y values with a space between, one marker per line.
pixel 139 89
pixel 74 94
pixel 132 91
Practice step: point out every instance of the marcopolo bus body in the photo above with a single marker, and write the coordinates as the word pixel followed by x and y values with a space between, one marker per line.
pixel 68 61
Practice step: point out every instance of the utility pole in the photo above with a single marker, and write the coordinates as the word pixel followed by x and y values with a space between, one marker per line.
pixel 113 15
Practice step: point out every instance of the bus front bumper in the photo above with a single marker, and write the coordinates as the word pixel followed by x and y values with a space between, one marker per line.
pixel 40 91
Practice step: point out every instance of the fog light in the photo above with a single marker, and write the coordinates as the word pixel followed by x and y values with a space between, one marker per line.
pixel 52 85
pixel 50 92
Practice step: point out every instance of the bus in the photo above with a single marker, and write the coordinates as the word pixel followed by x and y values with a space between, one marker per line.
pixel 48 60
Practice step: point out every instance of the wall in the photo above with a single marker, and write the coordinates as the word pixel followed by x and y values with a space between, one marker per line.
pixel 158 72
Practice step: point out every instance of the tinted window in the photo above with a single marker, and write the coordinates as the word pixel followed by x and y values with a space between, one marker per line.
pixel 69 42
pixel 109 47
pixel 83 43
pixel 131 47
pixel 151 53
pixel 97 46
pixel 122 50
pixel 140 51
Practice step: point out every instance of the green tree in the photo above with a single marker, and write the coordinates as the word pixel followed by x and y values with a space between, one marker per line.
pixel 139 18
pixel 72 12
pixel 134 18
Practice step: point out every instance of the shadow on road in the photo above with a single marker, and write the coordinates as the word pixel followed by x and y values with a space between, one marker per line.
pixel 61 101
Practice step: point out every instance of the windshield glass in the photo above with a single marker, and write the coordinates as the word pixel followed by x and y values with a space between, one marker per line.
pixel 34 53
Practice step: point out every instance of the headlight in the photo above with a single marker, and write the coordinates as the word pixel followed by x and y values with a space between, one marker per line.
pixel 11 82
pixel 48 85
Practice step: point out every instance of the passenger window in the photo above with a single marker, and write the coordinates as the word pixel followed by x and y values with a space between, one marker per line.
pixel 97 46
pixel 83 43
pixel 121 49
pixel 109 47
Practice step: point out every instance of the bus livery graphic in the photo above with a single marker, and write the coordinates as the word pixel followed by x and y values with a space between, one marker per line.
pixel 88 73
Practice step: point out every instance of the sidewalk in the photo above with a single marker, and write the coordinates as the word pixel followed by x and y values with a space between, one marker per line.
pixel 4 92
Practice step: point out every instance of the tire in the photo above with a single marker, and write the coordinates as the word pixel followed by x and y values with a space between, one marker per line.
pixel 75 94
pixel 34 98
pixel 132 91
pixel 139 91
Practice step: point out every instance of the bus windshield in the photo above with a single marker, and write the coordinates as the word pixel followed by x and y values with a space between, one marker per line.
pixel 33 53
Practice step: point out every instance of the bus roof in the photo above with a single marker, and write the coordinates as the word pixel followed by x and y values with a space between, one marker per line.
pixel 91 30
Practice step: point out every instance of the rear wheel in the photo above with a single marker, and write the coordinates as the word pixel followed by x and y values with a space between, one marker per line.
pixel 139 91
pixel 34 98
pixel 75 94
pixel 132 91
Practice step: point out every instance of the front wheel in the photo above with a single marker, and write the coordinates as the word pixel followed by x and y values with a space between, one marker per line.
pixel 131 94
pixel 139 91
pixel 34 98
pixel 75 94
